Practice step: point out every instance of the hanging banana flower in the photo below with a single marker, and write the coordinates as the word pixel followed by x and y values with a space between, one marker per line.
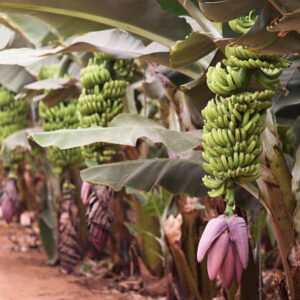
pixel 70 252
pixel 99 215
pixel 104 83
pixel 233 123
pixel 9 199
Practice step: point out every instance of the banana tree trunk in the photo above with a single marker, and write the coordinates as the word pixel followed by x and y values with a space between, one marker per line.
pixel 148 246
pixel 279 201
pixel 191 230
pixel 120 237
pixel 250 280
pixel 75 177
pixel 188 282
pixel 24 196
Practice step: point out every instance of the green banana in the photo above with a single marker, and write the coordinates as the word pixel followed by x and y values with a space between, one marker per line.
pixel 61 116
pixel 104 82
pixel 235 119
pixel 13 117
pixel 243 24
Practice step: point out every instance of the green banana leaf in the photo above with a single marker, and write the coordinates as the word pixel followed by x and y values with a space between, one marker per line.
pixel 19 140
pixel 70 17
pixel 7 36
pixel 290 21
pixel 14 77
pixel 125 129
pixel 11 35
pixel 260 38
pixel 296 131
pixel 178 176
pixel 30 28
pixel 287 105
pixel 114 41
pixel 288 6
pixel 226 10
pixel 48 230
pixel 172 7
pixel 194 47
pixel 61 89
pixel 51 84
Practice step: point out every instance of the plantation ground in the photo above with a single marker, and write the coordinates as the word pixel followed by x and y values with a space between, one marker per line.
pixel 24 274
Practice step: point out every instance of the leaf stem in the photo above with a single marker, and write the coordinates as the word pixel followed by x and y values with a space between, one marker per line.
pixel 194 11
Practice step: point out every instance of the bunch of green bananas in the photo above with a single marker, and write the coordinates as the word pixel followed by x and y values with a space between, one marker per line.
pixel 235 119
pixel 48 72
pixel 239 57
pixel 13 114
pixel 13 117
pixel 104 83
pixel 61 116
pixel 244 23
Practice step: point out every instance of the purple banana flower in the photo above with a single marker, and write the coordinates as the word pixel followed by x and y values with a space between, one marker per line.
pixel 85 188
pixel 226 242
pixel 9 199
pixel 8 209
pixel 100 239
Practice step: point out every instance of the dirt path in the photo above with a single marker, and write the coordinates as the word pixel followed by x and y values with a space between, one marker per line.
pixel 24 275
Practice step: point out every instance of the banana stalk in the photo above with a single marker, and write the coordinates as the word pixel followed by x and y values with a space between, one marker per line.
pixel 148 246
pixel 280 202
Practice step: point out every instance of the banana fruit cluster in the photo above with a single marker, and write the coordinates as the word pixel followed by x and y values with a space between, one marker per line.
pixel 48 72
pixel 13 114
pixel 244 23
pixel 237 56
pixel 104 82
pixel 61 116
pixel 235 119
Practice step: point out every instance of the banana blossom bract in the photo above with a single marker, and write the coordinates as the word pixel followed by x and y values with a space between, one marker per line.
pixel 226 242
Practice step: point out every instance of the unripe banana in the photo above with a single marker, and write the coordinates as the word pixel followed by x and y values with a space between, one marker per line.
pixel 104 80
pixel 243 24
pixel 13 117
pixel 62 115
pixel 211 182
pixel 218 192
pixel 234 120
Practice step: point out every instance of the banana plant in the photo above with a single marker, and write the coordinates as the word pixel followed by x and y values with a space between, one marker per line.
pixel 244 87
